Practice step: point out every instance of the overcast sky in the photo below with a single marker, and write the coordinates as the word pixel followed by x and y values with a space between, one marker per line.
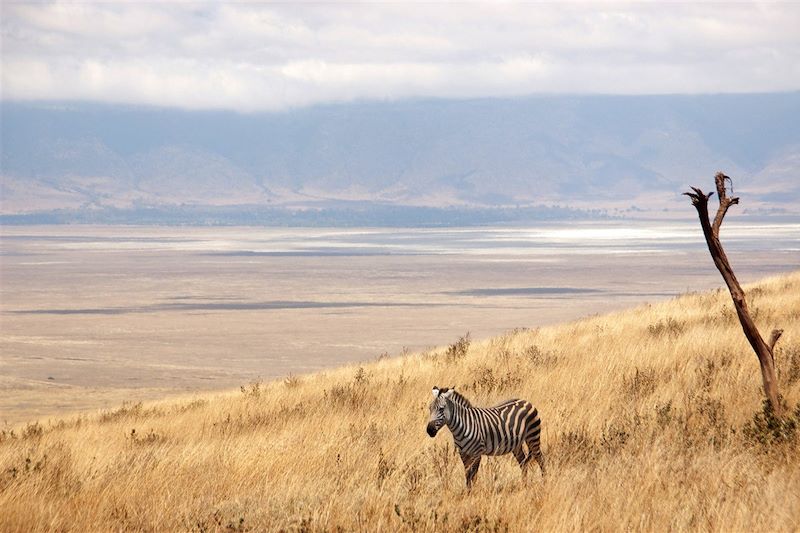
pixel 251 56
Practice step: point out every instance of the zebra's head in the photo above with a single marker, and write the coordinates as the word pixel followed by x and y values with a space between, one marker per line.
pixel 440 409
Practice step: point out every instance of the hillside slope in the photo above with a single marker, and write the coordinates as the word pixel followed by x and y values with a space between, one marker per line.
pixel 647 416
pixel 580 151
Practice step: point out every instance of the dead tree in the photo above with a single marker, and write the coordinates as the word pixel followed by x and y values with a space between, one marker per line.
pixel 711 232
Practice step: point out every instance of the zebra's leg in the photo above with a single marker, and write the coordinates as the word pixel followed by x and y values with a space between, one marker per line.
pixel 471 465
pixel 535 452
pixel 519 455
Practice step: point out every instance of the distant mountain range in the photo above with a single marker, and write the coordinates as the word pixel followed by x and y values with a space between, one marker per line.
pixel 616 154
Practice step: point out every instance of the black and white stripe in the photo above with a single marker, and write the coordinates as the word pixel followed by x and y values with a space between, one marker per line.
pixel 505 428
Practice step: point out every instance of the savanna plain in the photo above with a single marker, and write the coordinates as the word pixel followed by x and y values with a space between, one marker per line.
pixel 652 415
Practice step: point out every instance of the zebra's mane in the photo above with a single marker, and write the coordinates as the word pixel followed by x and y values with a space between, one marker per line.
pixel 459 399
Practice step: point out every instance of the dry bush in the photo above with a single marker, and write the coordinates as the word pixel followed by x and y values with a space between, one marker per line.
pixel 668 327
pixel 767 431
pixel 652 421
pixel 252 390
pixel 291 381
pixel 458 350
pixel 787 359
pixel 129 411
pixel 486 381
pixel 640 384
pixel 539 357
pixel 351 395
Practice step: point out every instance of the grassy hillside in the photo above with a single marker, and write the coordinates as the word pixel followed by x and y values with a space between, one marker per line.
pixel 648 424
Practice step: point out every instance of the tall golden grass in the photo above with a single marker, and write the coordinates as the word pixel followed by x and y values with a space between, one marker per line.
pixel 652 420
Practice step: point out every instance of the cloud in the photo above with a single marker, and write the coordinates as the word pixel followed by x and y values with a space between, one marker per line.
pixel 275 56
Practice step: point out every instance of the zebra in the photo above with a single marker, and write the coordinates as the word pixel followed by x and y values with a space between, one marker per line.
pixel 496 430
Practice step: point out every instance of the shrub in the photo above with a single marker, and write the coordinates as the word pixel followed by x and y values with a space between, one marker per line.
pixel 7 435
pixel 385 468
pixel 709 368
pixel 443 459
pixel 614 438
pixel 410 518
pixel 576 446
pixel 538 357
pixel 413 478
pixel 666 328
pixel 128 410
pixel 641 384
pixel 664 414
pixel 766 429
pixel 151 437
pixel 480 524
pixel 353 394
pixel 458 349
pixel 788 364
pixel 253 390
pixel 32 431
pixel 487 381
pixel 714 422
pixel 191 406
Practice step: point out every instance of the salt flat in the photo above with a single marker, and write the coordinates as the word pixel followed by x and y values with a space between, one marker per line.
pixel 91 316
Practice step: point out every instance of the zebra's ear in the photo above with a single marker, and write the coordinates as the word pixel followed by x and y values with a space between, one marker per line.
pixel 435 392
pixel 448 394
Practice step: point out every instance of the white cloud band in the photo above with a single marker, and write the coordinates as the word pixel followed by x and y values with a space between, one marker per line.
pixel 254 56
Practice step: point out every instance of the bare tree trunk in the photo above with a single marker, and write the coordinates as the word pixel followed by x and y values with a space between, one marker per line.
pixel 711 232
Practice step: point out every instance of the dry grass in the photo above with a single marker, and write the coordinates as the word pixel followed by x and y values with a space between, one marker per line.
pixel 648 425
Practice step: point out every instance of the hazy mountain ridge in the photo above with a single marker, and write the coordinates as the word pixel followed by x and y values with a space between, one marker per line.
pixel 589 151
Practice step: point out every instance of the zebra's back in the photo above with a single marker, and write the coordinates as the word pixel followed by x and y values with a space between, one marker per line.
pixel 502 428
